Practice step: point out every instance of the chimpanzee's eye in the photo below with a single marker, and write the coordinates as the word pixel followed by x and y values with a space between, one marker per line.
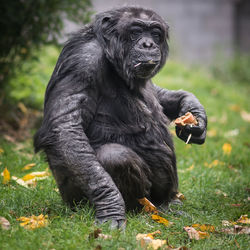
pixel 156 34
pixel 135 32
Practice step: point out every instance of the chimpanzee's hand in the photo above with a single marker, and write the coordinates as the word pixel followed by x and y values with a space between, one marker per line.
pixel 198 132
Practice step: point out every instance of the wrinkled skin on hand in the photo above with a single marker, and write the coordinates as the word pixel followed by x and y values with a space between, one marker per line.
pixel 104 129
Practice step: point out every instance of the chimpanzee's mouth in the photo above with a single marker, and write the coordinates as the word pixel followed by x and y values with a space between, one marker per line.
pixel 153 63
pixel 144 69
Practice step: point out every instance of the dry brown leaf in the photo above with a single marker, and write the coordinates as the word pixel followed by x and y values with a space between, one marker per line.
pixel 29 166
pixel 161 220
pixel 180 196
pixel 6 176
pixel 245 115
pixel 235 107
pixel 244 219
pixel 219 192
pixel 236 230
pixel 5 224
pixel 9 138
pixel 204 227
pixel 235 205
pixel 147 241
pixel 194 234
pixel 22 107
pixel 227 148
pixel 33 221
pixel 148 206
pixel 226 223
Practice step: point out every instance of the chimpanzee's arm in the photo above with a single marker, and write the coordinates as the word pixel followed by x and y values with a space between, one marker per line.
pixel 176 104
pixel 70 104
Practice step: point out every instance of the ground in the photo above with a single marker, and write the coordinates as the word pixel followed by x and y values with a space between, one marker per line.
pixel 214 179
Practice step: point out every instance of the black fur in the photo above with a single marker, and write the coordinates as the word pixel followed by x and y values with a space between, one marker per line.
pixel 105 124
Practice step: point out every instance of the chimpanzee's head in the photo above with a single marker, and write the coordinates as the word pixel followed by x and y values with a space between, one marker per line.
pixel 134 41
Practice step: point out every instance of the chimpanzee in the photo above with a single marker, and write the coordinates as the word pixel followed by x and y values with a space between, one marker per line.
pixel 104 129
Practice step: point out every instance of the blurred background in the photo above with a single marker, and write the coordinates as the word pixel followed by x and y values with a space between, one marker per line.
pixel 210 35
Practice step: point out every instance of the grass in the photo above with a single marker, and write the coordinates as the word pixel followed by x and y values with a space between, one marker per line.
pixel 209 191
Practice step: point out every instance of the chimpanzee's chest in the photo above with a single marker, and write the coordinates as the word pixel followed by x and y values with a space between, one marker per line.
pixel 128 120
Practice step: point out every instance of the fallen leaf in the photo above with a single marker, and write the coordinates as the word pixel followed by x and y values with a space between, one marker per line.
pixel 227 148
pixel 29 166
pixel 190 168
pixel 5 224
pixel 235 107
pixel 236 205
pixel 211 133
pixel 148 242
pixel 245 115
pixel 9 138
pixel 20 181
pixel 151 235
pixel 33 221
pixel 244 219
pixel 22 107
pixel 226 223
pixel 1 151
pixel 95 234
pixel 236 230
pixel 161 220
pixel 214 163
pixel 105 236
pixel 219 192
pixel 232 133
pixel 148 206
pixel 41 175
pixel 204 227
pixel 6 176
pixel 194 234
pixel 180 196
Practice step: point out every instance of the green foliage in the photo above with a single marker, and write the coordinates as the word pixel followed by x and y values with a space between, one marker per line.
pixel 29 83
pixel 26 24
pixel 204 204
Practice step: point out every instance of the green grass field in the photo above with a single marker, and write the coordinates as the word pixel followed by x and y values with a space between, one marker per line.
pixel 210 189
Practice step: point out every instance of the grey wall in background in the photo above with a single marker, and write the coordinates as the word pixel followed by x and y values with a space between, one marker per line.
pixel 200 30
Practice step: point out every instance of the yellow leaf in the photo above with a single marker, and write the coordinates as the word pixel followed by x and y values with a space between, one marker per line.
pixel 29 166
pixel 35 174
pixel 244 219
pixel 148 206
pixel 161 220
pixel 180 196
pixel 227 148
pixel 214 163
pixel 6 176
pixel 235 107
pixel 20 181
pixel 1 150
pixel 204 227
pixel 190 168
pixel 194 234
pixel 147 241
pixel 33 221
pixel 211 133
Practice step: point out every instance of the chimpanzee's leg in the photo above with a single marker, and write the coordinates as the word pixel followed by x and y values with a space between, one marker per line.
pixel 129 172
